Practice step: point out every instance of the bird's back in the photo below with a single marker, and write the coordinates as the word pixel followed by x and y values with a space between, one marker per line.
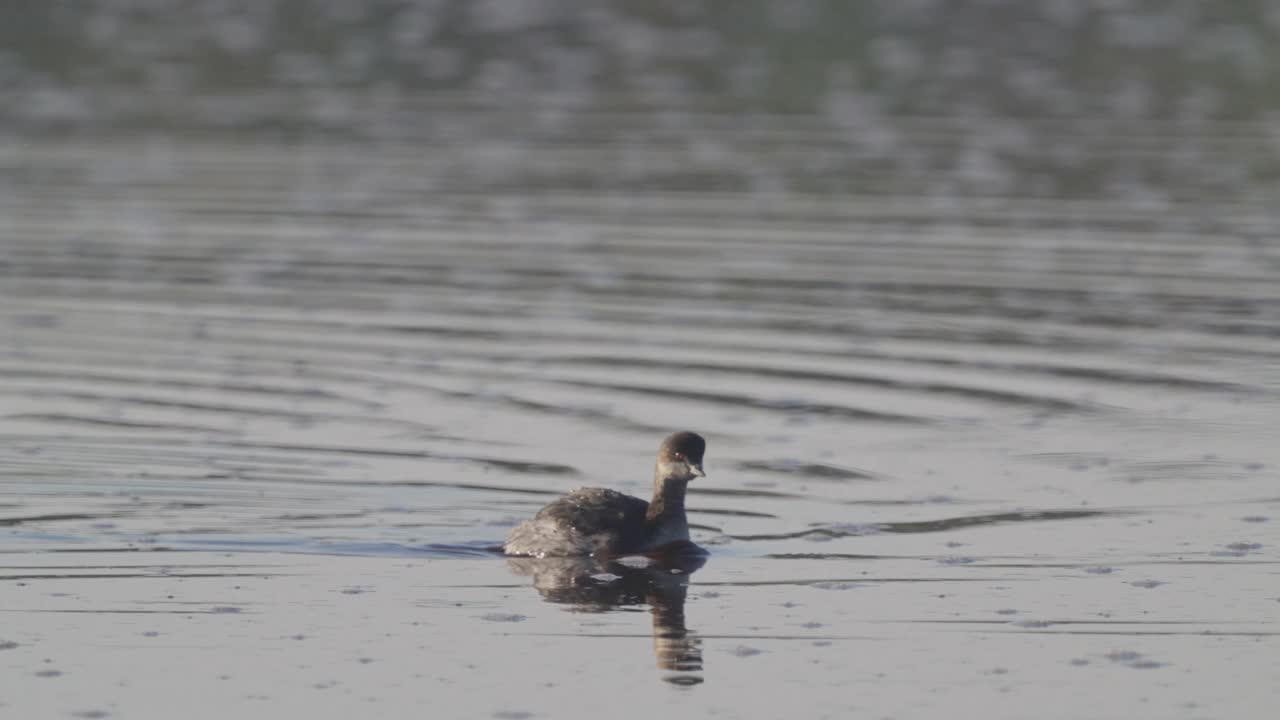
pixel 587 521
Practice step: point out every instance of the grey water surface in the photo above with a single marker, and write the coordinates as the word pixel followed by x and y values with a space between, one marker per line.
pixel 991 396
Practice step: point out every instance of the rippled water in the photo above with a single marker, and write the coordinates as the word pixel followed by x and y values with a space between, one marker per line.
pixel 990 402
pixel 971 459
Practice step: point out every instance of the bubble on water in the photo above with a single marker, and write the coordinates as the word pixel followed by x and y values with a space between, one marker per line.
pixel 1255 518
pixel 1146 664
pixel 504 617
pixel 956 560
pixel 744 651
pixel 1031 623
pixel 831 585
pixel 1244 547
pixel 48 673
pixel 1124 656
pixel 1099 570
pixel 7 645
pixel 1006 611
pixel 1079 662
pixel 1147 583
pixel 226 609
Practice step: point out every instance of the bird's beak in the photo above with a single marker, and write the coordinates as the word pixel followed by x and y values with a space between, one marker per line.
pixel 696 469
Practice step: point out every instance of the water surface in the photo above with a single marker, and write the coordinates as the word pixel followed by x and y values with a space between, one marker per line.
pixel 992 441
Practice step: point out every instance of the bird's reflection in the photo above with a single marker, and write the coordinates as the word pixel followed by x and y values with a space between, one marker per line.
pixel 660 580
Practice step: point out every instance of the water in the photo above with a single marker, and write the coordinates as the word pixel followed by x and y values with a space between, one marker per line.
pixel 990 400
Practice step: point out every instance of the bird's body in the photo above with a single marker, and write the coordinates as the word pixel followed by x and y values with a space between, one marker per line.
pixel 587 521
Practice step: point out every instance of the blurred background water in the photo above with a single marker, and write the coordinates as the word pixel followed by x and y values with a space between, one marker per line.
pixel 306 303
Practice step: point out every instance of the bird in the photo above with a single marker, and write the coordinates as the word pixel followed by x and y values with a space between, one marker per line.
pixel 603 523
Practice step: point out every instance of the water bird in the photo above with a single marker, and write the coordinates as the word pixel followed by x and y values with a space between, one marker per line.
pixel 605 523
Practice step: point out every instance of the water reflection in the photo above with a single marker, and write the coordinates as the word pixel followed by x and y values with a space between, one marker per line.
pixel 660 581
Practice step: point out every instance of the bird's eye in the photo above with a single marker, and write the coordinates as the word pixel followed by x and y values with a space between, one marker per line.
pixel 680 456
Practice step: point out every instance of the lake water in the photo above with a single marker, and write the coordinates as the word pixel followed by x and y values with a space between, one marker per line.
pixel 991 406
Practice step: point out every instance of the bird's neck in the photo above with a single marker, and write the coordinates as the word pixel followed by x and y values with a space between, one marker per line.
pixel 668 499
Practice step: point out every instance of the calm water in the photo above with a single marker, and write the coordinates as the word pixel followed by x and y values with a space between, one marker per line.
pixel 990 400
